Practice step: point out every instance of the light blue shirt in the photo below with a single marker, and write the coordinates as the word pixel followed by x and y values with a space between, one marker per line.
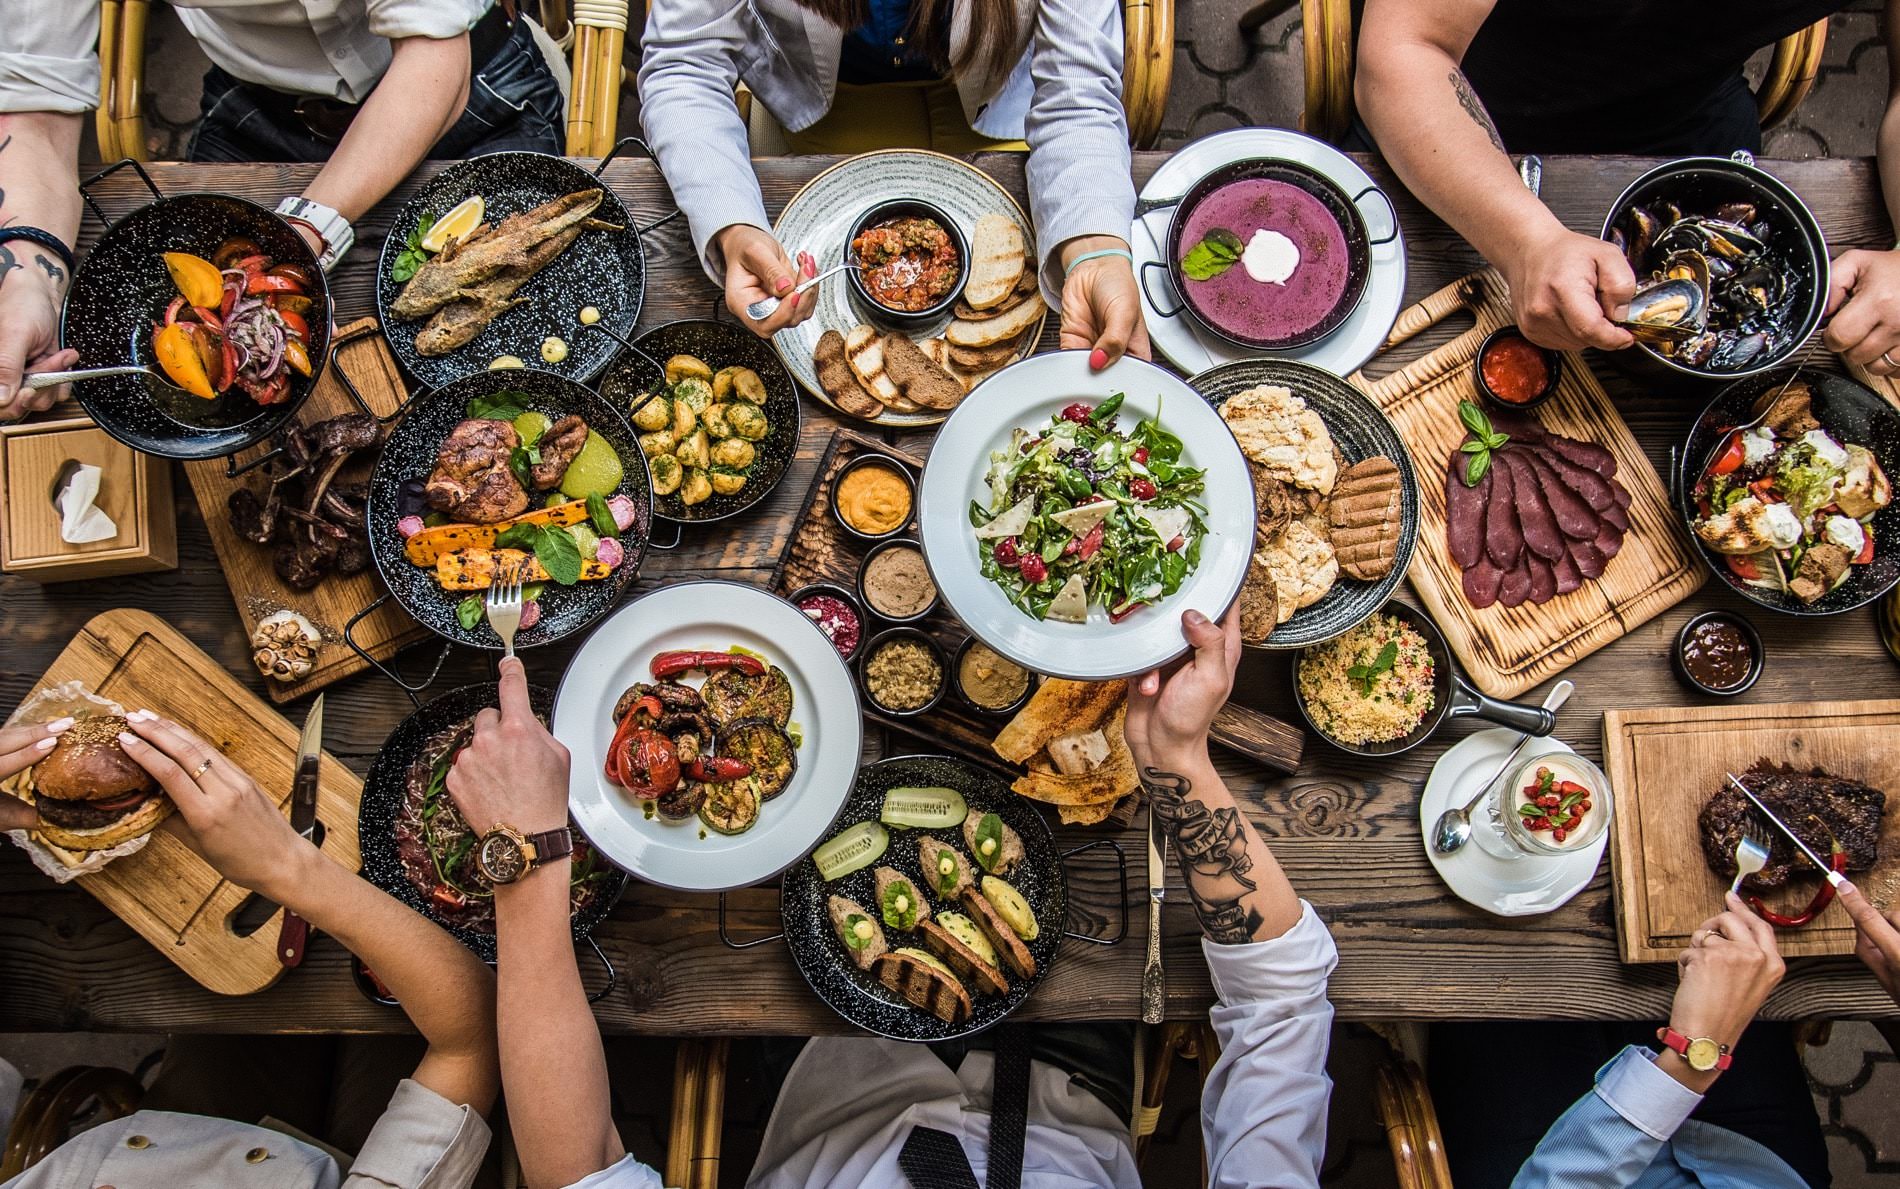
pixel 1633 1131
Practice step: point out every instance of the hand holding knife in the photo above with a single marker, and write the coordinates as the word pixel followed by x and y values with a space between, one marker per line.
pixel 1834 878
pixel 295 932
pixel 1154 986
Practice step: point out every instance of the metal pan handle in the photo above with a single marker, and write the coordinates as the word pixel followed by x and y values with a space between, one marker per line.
pixel 1392 212
pixel 625 143
pixel 613 976
pixel 1121 881
pixel 349 637
pixel 114 168
pixel 1145 292
pixel 741 945
pixel 1149 206
pixel 1519 716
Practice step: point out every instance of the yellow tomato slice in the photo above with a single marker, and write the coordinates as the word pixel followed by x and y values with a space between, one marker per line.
pixel 197 278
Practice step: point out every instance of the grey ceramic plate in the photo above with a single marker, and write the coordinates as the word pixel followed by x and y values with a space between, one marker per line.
pixel 603 269
pixel 1360 430
pixel 818 220
pixel 717 344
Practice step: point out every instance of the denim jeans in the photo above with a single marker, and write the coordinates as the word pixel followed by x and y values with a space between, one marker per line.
pixel 513 103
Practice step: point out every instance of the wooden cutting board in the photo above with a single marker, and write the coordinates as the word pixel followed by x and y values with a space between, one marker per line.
pixel 361 351
pixel 1664 762
pixel 173 898
pixel 1507 650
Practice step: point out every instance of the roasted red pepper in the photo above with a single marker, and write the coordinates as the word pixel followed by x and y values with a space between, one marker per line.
pixel 718 769
pixel 672 664
pixel 1836 861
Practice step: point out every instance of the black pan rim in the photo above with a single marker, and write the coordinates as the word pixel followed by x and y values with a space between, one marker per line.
pixel 1445 677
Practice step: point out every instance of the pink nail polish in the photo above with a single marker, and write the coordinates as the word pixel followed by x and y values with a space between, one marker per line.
pixel 128 738
pixel 1098 359
pixel 60 724
pixel 784 283
pixel 46 744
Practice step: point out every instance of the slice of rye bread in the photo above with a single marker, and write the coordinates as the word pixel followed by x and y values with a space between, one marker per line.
pixel 924 986
pixel 864 347
pixel 982 358
pixel 997 256
pixel 1363 516
pixel 961 958
pixel 996 330
pixel 840 383
pixel 917 377
pixel 1009 947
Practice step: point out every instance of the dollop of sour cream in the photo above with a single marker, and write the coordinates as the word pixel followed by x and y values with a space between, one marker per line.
pixel 1846 533
pixel 1270 257
pixel 1826 449
pixel 1757 444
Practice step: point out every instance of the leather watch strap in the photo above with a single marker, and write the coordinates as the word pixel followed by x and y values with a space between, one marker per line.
pixel 550 845
pixel 1679 1044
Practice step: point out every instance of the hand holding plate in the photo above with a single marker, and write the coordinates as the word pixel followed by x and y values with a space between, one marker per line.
pixel 1169 719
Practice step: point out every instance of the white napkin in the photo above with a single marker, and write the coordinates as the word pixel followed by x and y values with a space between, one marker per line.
pixel 81 523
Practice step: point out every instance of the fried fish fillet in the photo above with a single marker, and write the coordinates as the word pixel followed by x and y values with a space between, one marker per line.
pixel 453 273
pixel 456 323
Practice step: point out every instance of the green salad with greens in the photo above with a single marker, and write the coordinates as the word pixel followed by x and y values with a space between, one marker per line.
pixel 1082 513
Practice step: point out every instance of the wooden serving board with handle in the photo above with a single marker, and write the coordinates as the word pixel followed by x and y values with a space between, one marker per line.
pixel 362 351
pixel 1665 762
pixel 169 895
pixel 1507 650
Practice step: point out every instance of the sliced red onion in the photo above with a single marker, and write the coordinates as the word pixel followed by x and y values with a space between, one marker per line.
pixel 530 613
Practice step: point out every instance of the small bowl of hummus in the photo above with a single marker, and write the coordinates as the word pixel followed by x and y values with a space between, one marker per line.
pixel 989 682
pixel 895 584
pixel 902 671
pixel 873 497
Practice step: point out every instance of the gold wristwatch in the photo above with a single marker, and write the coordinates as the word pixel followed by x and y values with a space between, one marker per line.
pixel 505 854
pixel 1700 1052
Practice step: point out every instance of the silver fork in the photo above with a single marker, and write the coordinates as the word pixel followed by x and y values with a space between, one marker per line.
pixel 1751 855
pixel 504 607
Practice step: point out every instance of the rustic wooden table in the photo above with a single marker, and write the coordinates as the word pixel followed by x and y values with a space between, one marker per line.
pixel 1345 829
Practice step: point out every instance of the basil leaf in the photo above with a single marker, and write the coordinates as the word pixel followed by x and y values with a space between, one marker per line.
pixel 560 555
pixel 1475 469
pixel 505 405
pixel 1104 411
pixel 1217 252
pixel 603 518
pixel 522 536
pixel 1473 446
pixel 468 612
pixel 1223 240
pixel 1474 420
pixel 520 462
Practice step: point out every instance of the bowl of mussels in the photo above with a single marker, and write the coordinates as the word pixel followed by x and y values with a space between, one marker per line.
pixel 1731 267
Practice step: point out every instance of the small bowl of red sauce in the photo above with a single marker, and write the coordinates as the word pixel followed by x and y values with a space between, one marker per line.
pixel 914 260
pixel 1515 373
pixel 1719 653
pixel 836 612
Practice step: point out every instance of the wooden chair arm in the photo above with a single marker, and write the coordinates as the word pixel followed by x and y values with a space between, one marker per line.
pixel 1147 66
pixel 1791 73
pixel 119 121
pixel 699 1113
pixel 1326 44
pixel 593 100
pixel 46 1115
pixel 1405 1109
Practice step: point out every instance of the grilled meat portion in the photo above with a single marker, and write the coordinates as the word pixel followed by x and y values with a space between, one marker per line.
pixel 1814 804
pixel 558 446
pixel 471 480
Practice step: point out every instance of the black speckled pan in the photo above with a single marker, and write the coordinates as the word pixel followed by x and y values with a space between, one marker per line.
pixel 410 453
pixel 1852 414
pixel 382 800
pixel 718 344
pixel 857 995
pixel 603 269
pixel 120 293
pixel 1360 430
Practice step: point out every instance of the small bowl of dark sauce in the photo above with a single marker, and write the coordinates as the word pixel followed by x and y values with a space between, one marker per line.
pixel 1719 653
pixel 1515 373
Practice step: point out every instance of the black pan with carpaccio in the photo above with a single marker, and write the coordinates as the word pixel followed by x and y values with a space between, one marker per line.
pixel 1529 515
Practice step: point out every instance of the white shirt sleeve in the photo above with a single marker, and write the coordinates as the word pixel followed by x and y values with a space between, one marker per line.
pixel 438 19
pixel 625 1173
pixel 423 1141
pixel 1264 1108
pixel 48 56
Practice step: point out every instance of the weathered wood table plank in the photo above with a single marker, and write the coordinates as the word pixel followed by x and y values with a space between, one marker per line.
pixel 1346 829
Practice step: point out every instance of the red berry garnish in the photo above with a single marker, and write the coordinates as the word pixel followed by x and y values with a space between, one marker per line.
pixel 1006 553
pixel 1559 833
pixel 1141 489
pixel 1077 412
pixel 1033 568
pixel 1141 454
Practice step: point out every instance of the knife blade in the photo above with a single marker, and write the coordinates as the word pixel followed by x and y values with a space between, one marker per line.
pixel 1154 986
pixel 1834 878
pixel 295 932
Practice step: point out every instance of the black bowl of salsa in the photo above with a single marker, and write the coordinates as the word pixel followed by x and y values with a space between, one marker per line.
pixel 1513 372
pixel 1719 653
pixel 915 260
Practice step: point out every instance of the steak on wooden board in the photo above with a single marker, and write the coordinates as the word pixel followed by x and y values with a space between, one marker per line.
pixel 1813 803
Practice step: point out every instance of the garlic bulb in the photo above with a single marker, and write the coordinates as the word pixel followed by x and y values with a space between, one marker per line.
pixel 286 646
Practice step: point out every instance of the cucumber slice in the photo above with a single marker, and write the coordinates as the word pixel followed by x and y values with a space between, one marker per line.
pixel 923 808
pixel 855 849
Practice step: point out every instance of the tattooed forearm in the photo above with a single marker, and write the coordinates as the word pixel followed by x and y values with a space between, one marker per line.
pixel 1213 851
pixel 50 269
pixel 8 262
pixel 1468 99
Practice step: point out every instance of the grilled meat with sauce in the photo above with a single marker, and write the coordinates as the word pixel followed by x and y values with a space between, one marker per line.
pixel 471 480
pixel 1813 803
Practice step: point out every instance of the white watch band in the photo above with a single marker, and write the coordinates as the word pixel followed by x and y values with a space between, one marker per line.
pixel 337 234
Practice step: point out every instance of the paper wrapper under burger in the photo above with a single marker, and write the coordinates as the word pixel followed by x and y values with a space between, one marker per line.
pixel 45 705
pixel 1063 708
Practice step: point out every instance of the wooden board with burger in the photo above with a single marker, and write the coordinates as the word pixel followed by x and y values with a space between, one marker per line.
pixel 165 892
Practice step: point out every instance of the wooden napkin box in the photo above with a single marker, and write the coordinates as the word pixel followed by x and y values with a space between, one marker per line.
pixel 134 489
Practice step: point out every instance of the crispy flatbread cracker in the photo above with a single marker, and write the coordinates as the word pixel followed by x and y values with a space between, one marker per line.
pixel 1107 784
pixel 1277 431
pixel 1057 708
pixel 997 256
pixel 1084 815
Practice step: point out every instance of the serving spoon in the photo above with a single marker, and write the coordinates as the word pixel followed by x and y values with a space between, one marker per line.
pixel 763 308
pixel 49 379
pixel 1453 828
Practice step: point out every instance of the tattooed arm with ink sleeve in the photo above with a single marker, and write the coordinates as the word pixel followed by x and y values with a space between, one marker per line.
pixel 39 154
pixel 1264 1107
pixel 1431 125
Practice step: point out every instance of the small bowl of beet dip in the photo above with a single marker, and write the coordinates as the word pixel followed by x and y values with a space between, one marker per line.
pixel 836 613
pixel 1719 653
pixel 1515 373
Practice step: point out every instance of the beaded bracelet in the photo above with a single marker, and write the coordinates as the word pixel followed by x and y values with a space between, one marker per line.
pixel 1124 253
pixel 44 239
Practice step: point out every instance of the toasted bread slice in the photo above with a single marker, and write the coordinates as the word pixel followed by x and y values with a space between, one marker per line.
pixel 924 985
pixel 982 358
pixel 864 347
pixel 992 331
pixel 996 261
pixel 1009 947
pixel 917 378
pixel 840 383
pixel 961 958
pixel 937 351
pixel 1363 515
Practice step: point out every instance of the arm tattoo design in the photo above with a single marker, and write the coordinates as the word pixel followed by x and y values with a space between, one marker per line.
pixel 8 262
pixel 1213 852
pixel 50 269
pixel 1468 99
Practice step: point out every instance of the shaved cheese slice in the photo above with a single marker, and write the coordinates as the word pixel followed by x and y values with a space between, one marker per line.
pixel 1011 522
pixel 1071 603
pixel 1081 519
pixel 1168 523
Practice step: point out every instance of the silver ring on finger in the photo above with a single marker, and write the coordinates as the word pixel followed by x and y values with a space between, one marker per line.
pixel 1888 360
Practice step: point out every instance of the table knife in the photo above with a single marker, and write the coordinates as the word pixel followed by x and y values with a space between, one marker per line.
pixel 1834 878
pixel 303 819
pixel 1154 986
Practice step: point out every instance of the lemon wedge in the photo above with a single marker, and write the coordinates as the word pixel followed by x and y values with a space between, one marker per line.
pixel 466 217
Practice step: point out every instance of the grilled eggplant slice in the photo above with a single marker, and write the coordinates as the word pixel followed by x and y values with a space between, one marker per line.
pixel 730 808
pixel 731 696
pixel 763 744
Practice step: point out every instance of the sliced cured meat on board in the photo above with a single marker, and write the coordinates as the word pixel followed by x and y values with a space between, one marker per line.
pixel 1534 516
pixel 1481 581
pixel 1503 539
pixel 1464 512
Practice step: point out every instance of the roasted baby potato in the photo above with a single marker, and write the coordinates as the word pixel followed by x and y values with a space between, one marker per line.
pixel 694 450
pixel 741 382
pixel 660 441
pixel 696 488
pixel 684 420
pixel 667 474
pixel 713 417
pixel 736 453
pixel 748 420
pixel 655 414
pixel 681 367
pixel 726 482
pixel 695 394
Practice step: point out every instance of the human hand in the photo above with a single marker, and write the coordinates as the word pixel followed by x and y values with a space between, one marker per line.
pixel 1878 940
pixel 1101 305
pixel 21 747
pixel 1863 308
pixel 1726 974
pixel 30 300
pixel 227 818
pixel 757 268
pixel 512 770
pixel 1168 719
pixel 1566 290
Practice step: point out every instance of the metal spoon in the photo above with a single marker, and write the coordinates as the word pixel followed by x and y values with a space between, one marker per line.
pixel 49 379
pixel 762 309
pixel 1453 829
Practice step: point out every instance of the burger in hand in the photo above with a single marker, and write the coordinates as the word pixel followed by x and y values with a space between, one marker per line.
pixel 90 794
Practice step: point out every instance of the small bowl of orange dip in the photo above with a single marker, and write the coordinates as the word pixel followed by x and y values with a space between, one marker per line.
pixel 1515 373
pixel 873 497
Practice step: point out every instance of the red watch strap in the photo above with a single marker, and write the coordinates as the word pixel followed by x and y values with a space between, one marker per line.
pixel 1671 1039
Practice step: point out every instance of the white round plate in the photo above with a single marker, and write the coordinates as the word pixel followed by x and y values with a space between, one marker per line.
pixel 818 220
pixel 1523 887
pixel 1028 394
pixel 1193 349
pixel 712 616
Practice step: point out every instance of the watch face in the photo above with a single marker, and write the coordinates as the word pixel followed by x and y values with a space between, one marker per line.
pixel 500 858
pixel 1702 1055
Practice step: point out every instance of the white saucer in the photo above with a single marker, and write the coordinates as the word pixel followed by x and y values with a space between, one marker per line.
pixel 1525 887
pixel 1192 349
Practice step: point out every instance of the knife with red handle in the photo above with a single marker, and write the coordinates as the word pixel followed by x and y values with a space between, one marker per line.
pixel 295 933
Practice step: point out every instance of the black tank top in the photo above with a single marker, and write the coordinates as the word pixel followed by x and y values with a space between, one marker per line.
pixel 1659 77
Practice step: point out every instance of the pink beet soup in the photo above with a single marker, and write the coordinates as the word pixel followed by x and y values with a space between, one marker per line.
pixel 1251 309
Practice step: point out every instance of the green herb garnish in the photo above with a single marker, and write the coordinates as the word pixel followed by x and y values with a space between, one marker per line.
pixel 412 256
pixel 601 515
pixel 554 547
pixel 468 612
pixel 1218 251
pixel 505 405
pixel 1365 675
pixel 1481 445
